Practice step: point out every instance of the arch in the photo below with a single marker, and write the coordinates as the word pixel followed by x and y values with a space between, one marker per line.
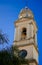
pixel 23 34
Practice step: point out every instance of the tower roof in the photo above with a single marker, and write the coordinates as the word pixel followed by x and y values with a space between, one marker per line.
pixel 26 12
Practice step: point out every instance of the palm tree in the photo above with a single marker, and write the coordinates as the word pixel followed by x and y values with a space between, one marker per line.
pixel 11 57
pixel 3 38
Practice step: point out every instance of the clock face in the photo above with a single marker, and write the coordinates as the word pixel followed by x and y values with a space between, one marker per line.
pixel 22 53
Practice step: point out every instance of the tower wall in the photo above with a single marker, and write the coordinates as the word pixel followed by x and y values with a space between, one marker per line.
pixel 31 50
pixel 29 42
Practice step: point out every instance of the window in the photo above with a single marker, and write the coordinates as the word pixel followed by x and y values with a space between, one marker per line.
pixel 23 33
pixel 22 53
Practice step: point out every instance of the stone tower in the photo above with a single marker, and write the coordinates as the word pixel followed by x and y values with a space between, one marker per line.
pixel 26 35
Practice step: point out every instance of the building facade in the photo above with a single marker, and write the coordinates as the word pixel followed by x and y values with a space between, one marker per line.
pixel 26 35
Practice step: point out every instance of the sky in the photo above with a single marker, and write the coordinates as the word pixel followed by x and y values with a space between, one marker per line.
pixel 9 11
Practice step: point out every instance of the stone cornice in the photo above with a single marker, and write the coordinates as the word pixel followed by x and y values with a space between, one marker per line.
pixel 32 61
pixel 29 45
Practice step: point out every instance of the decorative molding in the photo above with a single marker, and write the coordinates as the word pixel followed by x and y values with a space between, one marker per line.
pixel 33 61
pixel 29 45
pixel 25 39
pixel 23 19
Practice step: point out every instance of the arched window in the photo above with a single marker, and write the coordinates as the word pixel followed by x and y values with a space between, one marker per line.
pixel 23 33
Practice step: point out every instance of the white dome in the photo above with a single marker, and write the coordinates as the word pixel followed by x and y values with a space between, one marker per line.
pixel 26 12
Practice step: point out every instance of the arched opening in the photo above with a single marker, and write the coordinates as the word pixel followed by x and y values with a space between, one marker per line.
pixel 23 33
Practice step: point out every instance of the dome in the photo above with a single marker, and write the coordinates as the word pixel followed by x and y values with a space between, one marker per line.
pixel 26 12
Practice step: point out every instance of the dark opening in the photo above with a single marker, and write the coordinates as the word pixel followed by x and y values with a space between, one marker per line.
pixel 23 33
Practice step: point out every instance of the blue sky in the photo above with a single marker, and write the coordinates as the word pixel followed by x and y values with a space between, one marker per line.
pixel 9 11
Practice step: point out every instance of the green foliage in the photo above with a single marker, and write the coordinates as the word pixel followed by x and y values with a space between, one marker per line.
pixel 11 57
pixel 5 58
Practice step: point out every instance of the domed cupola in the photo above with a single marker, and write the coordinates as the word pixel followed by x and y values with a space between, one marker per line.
pixel 26 12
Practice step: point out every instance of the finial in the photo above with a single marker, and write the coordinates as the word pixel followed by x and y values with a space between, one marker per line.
pixel 26 7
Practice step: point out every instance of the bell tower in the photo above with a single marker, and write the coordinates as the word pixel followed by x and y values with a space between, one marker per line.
pixel 26 35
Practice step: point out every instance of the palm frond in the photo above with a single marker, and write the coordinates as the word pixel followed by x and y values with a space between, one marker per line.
pixel 3 38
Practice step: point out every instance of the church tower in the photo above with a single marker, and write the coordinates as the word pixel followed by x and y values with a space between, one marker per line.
pixel 26 35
